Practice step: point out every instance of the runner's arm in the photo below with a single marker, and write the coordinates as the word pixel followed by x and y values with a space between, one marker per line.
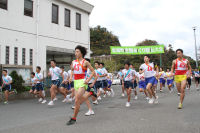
pixel 71 74
pixel 189 66
pixel 173 65
pixel 92 70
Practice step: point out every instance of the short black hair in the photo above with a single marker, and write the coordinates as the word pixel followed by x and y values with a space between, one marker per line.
pixel 5 70
pixel 97 62
pixel 82 49
pixel 147 56
pixel 179 50
pixel 87 59
pixel 127 62
pixel 141 69
pixel 102 63
pixel 62 67
pixel 33 73
pixel 38 67
pixel 53 61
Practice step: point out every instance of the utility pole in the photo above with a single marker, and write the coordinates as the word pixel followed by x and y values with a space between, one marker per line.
pixel 195 43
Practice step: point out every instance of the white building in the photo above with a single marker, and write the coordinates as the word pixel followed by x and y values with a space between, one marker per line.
pixel 32 32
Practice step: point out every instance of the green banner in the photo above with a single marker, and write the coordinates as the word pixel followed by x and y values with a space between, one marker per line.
pixel 137 50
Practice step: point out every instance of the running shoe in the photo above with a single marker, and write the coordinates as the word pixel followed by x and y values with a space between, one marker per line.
pixel 180 106
pixel 71 122
pixel 90 112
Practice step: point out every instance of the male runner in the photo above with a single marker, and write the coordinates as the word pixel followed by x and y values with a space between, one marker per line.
pixel 54 72
pixel 39 85
pixel 180 65
pixel 6 85
pixel 150 77
pixel 79 70
pixel 128 80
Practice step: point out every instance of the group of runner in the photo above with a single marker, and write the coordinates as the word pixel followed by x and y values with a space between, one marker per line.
pixel 83 81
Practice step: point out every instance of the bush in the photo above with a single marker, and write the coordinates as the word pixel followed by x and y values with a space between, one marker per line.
pixel 17 82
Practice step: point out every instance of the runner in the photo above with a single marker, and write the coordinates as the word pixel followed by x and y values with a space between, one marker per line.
pixel 71 97
pixel 98 72
pixel 64 85
pixel 33 83
pixel 150 77
pixel 6 85
pixel 104 82
pixel 162 79
pixel 155 85
pixel 79 69
pixel 128 80
pixel 169 77
pixel 110 80
pixel 142 84
pixel 189 80
pixel 119 75
pixel 39 85
pixel 91 91
pixel 180 65
pixel 54 72
pixel 197 78
pixel 134 84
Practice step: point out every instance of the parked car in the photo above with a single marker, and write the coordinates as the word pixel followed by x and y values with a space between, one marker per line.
pixel 116 81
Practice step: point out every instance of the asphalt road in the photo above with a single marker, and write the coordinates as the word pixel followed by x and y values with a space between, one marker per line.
pixel 111 116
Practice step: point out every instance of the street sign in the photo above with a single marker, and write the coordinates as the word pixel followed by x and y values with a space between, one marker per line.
pixel 137 50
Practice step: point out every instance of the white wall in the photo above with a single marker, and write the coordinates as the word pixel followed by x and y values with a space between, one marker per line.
pixel 63 37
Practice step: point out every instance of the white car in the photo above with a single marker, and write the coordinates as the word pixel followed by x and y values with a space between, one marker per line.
pixel 116 81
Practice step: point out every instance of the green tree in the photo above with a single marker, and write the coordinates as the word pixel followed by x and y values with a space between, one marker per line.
pixel 101 39
pixel 17 81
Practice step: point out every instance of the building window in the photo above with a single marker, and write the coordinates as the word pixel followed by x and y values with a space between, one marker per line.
pixel 67 17
pixel 4 4
pixel 54 13
pixel 16 56
pixel 23 56
pixel 28 8
pixel 31 56
pixel 7 54
pixel 78 21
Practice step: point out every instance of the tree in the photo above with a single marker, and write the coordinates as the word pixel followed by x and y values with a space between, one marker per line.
pixel 17 81
pixel 101 39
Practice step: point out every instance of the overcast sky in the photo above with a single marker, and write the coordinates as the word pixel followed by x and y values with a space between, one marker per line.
pixel 166 21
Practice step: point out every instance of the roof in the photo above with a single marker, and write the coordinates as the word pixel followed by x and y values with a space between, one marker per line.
pixel 80 4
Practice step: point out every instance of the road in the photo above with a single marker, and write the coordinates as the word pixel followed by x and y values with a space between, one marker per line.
pixel 111 116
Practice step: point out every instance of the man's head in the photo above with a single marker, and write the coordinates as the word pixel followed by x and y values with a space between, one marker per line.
pixel 5 72
pixel 101 65
pixel 38 69
pixel 80 51
pixel 126 64
pixel 131 66
pixel 168 70
pixel 179 53
pixel 96 64
pixel 53 63
pixel 146 59
pixel 32 75
pixel 140 71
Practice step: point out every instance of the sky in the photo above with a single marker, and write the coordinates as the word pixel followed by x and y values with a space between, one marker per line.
pixel 166 21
